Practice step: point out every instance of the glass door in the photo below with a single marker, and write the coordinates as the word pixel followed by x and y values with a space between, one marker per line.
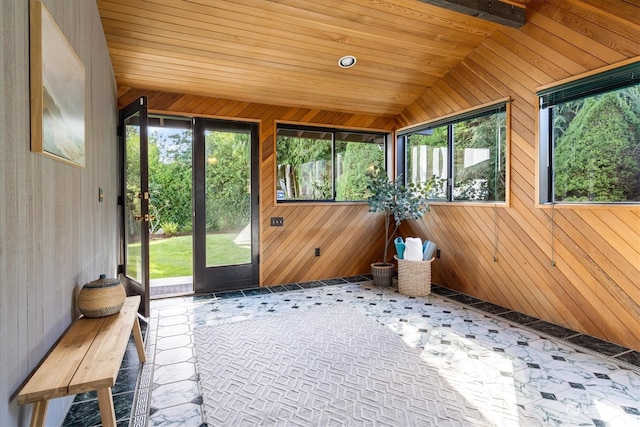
pixel 225 165
pixel 170 205
pixel 134 201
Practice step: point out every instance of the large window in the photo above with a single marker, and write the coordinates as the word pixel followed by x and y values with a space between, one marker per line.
pixel 461 158
pixel 590 139
pixel 317 164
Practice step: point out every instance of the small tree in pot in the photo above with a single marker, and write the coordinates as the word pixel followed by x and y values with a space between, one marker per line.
pixel 393 199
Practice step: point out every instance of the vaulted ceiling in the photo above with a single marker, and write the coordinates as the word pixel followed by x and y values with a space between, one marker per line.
pixel 286 52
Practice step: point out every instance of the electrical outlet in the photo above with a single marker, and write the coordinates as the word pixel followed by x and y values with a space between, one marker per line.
pixel 437 253
pixel 317 252
pixel 277 221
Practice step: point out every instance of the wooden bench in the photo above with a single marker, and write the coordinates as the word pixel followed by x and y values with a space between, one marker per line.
pixel 86 358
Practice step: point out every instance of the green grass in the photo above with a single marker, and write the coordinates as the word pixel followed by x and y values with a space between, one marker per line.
pixel 172 257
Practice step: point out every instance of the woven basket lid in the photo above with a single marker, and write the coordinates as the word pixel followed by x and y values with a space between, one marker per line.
pixel 103 282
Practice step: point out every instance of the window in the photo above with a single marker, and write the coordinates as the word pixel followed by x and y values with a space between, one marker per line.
pixel 317 164
pixel 460 158
pixel 590 139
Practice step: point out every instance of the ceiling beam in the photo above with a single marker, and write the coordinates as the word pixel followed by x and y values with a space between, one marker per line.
pixel 498 11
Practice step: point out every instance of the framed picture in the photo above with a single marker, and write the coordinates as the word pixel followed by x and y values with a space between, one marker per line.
pixel 57 91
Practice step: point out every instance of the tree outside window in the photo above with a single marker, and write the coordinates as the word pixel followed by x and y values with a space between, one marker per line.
pixel 316 164
pixel 462 158
pixel 596 148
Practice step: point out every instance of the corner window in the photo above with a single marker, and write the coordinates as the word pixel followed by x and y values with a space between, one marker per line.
pixel 318 164
pixel 590 139
pixel 461 158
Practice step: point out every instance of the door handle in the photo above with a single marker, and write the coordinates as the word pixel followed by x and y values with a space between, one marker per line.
pixel 145 218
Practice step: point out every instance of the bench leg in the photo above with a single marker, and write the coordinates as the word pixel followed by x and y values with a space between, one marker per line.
pixel 39 411
pixel 105 403
pixel 137 336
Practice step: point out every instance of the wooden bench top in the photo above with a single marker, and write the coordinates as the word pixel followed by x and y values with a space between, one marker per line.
pixel 87 357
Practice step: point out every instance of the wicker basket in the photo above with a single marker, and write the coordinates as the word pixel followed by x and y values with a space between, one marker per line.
pixel 414 277
pixel 382 274
pixel 102 297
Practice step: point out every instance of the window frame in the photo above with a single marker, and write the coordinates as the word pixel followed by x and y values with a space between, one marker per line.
pixel 590 84
pixel 388 147
pixel 502 105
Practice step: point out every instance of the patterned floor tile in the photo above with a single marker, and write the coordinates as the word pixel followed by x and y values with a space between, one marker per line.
pixel 631 357
pixel 516 376
pixel 174 373
pixel 175 393
pixel 166 343
pixel 174 355
pixel 186 415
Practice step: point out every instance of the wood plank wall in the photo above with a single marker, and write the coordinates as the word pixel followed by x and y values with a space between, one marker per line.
pixel 350 238
pixel 594 286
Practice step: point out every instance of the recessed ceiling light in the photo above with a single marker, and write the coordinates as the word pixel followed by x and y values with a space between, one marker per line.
pixel 347 61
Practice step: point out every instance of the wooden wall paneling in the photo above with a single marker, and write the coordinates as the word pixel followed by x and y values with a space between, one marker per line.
pixel 536 30
pixel 471 91
pixel 626 225
pixel 450 269
pixel 454 242
pixel 505 72
pixel 613 249
pixel 600 315
pixel 517 66
pixel 607 29
pixel 418 112
pixel 524 293
pixel 479 66
pixel 521 188
pixel 556 64
pixel 594 285
pixel 311 230
pixel 482 254
pixel 543 68
pixel 472 245
pixel 336 245
pixel 521 133
pixel 594 252
pixel 467 69
pixel 522 157
pixel 507 252
pixel 580 43
pixel 292 249
pixel 449 97
pixel 624 9
pixel 547 289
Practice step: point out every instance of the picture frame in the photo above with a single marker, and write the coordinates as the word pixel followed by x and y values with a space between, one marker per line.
pixel 57 91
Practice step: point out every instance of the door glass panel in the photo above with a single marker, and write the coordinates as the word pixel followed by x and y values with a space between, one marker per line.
pixel 133 225
pixel 228 197
pixel 170 205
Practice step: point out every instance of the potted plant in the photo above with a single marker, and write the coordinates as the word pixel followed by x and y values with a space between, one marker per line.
pixel 392 198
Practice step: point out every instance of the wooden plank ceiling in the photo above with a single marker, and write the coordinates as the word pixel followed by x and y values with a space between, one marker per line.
pixel 285 52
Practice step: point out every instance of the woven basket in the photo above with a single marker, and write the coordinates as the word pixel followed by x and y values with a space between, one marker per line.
pixel 382 274
pixel 102 297
pixel 414 277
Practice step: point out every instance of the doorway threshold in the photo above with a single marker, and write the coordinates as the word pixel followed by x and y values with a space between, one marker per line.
pixel 170 286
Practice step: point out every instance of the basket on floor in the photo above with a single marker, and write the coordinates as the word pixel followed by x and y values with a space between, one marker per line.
pixel 414 277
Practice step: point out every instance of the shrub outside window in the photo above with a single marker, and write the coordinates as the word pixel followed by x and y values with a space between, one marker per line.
pixel 317 164
pixel 462 157
pixel 590 139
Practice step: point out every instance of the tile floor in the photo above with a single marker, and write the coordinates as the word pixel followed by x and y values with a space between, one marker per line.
pixel 544 374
